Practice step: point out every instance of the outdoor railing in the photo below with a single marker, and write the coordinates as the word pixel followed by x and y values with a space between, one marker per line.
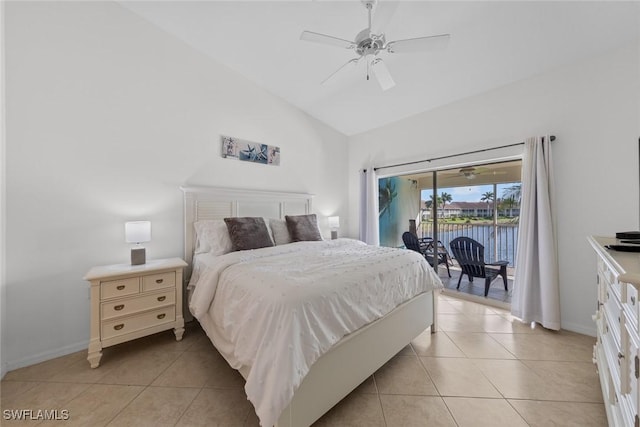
pixel 499 240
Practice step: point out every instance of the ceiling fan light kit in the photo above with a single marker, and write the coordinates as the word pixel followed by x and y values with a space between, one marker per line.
pixel 369 45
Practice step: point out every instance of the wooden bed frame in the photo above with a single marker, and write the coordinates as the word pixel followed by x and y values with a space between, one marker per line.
pixel 354 358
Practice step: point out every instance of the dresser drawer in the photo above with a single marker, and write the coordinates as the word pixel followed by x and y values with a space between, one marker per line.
pixel 603 371
pixel 632 362
pixel 158 281
pixel 613 312
pixel 608 333
pixel 632 295
pixel 609 277
pixel 119 288
pixel 122 326
pixel 132 305
pixel 631 305
pixel 613 364
pixel 627 411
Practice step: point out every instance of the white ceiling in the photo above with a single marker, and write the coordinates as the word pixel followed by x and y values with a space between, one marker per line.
pixel 492 44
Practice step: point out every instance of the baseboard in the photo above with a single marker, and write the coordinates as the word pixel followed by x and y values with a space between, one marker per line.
pixel 44 356
pixel 3 370
pixel 580 329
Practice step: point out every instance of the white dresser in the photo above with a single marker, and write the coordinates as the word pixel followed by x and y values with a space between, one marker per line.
pixel 132 301
pixel 617 349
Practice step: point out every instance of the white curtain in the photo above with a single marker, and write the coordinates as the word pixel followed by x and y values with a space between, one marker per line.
pixel 536 290
pixel 369 191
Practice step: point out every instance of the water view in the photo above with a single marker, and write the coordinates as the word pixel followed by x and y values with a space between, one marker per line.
pixel 502 247
pixel 467 211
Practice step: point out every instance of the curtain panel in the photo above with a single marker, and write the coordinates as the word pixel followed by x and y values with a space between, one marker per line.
pixel 536 289
pixel 369 232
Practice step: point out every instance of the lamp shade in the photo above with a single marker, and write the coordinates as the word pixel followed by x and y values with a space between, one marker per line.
pixel 334 222
pixel 137 231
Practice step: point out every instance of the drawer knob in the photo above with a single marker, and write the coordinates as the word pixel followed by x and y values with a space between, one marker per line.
pixel 158 281
pixel 633 300
pixel 162 298
pixel 161 316
pixel 120 287
pixel 118 307
pixel 118 326
pixel 620 355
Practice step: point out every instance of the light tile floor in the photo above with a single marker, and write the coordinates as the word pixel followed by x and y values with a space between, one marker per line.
pixel 482 368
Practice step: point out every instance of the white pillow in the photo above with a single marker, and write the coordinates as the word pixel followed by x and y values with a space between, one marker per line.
pixel 279 231
pixel 212 236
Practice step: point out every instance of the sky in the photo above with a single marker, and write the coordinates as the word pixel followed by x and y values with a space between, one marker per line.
pixel 466 194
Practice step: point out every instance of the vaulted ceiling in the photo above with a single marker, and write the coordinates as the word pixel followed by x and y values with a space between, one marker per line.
pixel 492 44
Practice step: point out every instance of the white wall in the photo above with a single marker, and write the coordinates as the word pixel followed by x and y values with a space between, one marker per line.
pixel 3 287
pixel 592 108
pixel 106 117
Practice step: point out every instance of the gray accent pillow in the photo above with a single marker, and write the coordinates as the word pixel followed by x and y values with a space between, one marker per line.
pixel 279 231
pixel 248 233
pixel 303 227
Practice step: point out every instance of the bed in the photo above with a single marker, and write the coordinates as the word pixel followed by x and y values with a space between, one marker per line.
pixel 294 381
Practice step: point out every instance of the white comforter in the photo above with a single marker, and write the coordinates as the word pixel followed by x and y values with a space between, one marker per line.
pixel 285 306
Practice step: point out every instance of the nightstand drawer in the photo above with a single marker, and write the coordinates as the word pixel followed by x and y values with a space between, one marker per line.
pixel 136 304
pixel 158 281
pixel 113 328
pixel 119 288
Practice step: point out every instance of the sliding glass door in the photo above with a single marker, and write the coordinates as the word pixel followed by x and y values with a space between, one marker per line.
pixel 480 201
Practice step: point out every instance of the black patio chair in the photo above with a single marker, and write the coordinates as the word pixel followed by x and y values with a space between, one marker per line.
pixel 470 255
pixel 425 248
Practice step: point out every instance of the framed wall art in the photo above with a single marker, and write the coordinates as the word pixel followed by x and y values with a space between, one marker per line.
pixel 239 149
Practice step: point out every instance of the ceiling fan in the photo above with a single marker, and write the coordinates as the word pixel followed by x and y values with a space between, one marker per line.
pixel 471 172
pixel 369 45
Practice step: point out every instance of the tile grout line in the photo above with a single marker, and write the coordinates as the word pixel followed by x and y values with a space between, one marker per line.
pixel 375 385
pixel 125 406
pixel 436 386
pixel 189 406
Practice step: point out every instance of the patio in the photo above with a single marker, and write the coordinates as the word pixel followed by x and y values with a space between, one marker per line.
pixel 474 291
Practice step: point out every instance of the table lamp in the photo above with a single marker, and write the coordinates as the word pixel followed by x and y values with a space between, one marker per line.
pixel 137 232
pixel 334 224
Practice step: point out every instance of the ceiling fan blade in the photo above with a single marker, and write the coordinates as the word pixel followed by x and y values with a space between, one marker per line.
pixel 310 36
pixel 353 61
pixel 382 74
pixel 382 16
pixel 419 44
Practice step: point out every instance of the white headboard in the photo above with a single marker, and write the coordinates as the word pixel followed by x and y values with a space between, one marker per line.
pixel 218 203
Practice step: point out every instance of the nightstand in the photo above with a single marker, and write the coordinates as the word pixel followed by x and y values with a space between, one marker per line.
pixel 132 301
